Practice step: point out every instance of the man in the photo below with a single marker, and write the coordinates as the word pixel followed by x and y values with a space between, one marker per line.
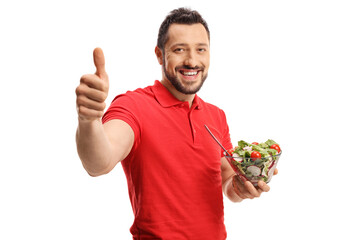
pixel 175 171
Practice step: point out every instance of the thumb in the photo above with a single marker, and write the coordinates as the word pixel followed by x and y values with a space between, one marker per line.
pixel 99 61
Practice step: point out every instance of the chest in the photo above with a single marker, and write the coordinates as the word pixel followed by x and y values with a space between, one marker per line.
pixel 176 136
pixel 179 125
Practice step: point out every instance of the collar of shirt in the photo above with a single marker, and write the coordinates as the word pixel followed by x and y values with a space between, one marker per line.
pixel 166 99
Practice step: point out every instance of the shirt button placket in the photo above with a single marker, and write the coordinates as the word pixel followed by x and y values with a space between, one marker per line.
pixel 193 130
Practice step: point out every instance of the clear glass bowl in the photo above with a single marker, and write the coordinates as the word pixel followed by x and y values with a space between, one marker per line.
pixel 254 169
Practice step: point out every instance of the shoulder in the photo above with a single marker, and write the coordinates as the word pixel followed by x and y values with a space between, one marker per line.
pixel 135 95
pixel 131 103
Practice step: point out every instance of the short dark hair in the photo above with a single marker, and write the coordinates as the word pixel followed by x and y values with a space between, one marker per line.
pixel 180 16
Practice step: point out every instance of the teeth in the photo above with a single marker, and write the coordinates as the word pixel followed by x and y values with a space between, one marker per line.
pixel 189 73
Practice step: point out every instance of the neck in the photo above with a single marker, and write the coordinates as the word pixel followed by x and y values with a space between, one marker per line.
pixel 178 95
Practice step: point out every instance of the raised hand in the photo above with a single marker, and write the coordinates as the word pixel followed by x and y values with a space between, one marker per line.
pixel 93 90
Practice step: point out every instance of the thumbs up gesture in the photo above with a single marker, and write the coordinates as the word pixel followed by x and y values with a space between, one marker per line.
pixel 93 90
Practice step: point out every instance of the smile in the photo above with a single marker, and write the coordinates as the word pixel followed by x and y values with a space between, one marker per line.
pixel 189 73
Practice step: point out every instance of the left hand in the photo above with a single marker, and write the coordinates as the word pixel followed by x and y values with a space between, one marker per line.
pixel 246 190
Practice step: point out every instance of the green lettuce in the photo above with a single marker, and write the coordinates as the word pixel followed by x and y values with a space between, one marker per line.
pixel 270 142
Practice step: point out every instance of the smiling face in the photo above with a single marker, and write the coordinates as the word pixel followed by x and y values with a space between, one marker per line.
pixel 186 57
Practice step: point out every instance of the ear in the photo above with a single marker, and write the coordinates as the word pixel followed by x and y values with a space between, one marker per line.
pixel 159 55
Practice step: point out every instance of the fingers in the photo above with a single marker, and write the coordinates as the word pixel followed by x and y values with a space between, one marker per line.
pixel 255 193
pixel 93 90
pixel 239 188
pixel 93 81
pixel 263 187
pixel 99 61
pixel 247 190
pixel 276 171
pixel 89 103
pixel 88 113
pixel 242 188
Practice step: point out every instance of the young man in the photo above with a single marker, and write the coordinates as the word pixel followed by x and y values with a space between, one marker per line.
pixel 175 171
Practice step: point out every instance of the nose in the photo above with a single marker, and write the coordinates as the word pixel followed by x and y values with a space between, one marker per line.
pixel 190 59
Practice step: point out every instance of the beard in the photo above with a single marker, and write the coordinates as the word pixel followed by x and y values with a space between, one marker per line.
pixel 187 88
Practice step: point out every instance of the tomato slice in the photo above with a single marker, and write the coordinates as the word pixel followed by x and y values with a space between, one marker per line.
pixel 255 143
pixel 276 147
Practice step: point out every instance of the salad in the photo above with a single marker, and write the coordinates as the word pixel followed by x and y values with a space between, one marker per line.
pixel 255 161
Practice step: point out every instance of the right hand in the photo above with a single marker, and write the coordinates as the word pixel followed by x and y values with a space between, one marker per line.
pixel 93 90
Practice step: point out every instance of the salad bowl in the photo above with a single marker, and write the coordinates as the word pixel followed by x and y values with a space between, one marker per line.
pixel 254 169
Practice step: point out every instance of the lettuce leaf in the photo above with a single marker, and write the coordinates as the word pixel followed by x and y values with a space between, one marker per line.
pixel 242 144
pixel 270 142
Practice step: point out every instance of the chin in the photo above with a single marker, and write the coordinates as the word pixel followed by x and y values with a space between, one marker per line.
pixel 192 87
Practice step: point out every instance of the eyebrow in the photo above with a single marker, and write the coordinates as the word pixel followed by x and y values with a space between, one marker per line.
pixel 185 44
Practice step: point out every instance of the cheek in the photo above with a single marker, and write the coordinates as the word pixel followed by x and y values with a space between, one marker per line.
pixel 206 61
pixel 170 65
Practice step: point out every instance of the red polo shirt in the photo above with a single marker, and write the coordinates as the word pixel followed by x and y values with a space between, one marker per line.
pixel 173 170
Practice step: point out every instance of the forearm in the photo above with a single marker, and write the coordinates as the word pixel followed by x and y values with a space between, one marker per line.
pixel 229 190
pixel 93 147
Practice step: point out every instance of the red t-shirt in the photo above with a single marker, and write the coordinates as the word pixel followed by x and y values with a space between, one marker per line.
pixel 173 170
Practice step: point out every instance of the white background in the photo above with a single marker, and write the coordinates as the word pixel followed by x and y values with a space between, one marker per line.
pixel 287 70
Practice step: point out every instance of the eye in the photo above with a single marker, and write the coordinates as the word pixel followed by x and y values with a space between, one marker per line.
pixel 202 50
pixel 179 50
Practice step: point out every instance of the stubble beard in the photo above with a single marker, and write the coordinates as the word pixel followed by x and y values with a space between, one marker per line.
pixel 190 88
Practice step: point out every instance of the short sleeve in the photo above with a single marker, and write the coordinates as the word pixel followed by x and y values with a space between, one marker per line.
pixel 123 108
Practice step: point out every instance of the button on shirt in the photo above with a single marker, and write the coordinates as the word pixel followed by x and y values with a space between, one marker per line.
pixel 173 170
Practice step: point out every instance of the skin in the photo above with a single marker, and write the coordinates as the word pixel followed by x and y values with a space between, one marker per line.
pixel 102 146
pixel 187 50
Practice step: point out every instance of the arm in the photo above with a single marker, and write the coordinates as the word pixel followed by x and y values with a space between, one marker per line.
pixel 235 189
pixel 100 147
